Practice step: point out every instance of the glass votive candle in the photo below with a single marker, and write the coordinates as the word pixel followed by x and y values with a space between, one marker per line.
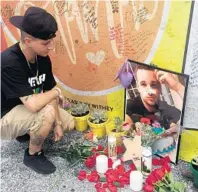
pixel 112 147
pixel 136 180
pixel 101 164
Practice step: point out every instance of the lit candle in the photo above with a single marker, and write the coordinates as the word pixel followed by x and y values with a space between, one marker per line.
pixel 101 164
pixel 136 180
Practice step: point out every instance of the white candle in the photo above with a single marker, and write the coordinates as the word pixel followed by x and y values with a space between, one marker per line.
pixel 101 164
pixel 146 161
pixel 112 151
pixel 136 180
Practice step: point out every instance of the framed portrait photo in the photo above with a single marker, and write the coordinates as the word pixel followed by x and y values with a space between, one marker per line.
pixel 155 102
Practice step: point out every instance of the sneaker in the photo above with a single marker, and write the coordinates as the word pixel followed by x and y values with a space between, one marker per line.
pixel 23 138
pixel 38 162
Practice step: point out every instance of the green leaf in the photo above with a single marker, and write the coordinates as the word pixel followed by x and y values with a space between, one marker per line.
pixel 102 179
pixel 162 190
pixel 179 186
pixel 117 184
pixel 75 163
pixel 89 153
pixel 170 177
pixel 171 185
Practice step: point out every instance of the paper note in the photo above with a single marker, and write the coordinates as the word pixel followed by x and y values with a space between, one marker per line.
pixel 191 68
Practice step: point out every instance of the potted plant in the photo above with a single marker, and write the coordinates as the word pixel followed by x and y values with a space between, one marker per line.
pixel 194 168
pixel 119 129
pixel 80 112
pixel 97 121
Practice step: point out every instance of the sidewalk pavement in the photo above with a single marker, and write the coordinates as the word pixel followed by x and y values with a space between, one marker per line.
pixel 16 177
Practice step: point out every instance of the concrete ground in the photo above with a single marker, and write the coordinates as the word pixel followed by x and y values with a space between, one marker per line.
pixel 16 177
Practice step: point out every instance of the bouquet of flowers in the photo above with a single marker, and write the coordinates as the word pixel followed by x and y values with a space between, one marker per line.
pixel 161 179
pixel 150 132
pixel 77 151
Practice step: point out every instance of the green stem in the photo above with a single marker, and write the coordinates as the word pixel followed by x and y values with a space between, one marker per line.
pixel 75 163
pixel 164 179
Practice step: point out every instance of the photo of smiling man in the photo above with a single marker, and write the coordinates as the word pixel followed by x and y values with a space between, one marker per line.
pixel 150 96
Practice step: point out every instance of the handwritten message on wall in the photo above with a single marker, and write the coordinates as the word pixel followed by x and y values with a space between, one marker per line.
pixel 191 68
pixel 94 37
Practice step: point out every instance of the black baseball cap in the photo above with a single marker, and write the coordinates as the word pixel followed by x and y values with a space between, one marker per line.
pixel 36 22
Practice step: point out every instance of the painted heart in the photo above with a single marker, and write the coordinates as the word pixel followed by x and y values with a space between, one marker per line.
pixel 96 58
pixel 76 45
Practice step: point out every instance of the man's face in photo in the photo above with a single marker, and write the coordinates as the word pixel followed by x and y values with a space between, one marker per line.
pixel 148 86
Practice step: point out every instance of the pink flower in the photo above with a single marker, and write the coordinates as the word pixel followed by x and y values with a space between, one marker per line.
pixel 156 124
pixel 126 127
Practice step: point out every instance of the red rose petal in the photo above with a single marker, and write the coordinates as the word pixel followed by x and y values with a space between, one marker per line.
pixel 148 188
pixel 105 185
pixel 156 162
pixel 110 163
pixel 93 150
pixel 167 167
pixel 151 180
pixel 120 169
pixel 100 148
pixel 132 167
pixel 82 172
pixel 98 185
pixel 112 189
pixel 166 159
pixel 81 177
pixel 94 172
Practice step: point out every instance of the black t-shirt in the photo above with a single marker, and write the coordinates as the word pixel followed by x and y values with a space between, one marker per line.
pixel 18 79
pixel 167 114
